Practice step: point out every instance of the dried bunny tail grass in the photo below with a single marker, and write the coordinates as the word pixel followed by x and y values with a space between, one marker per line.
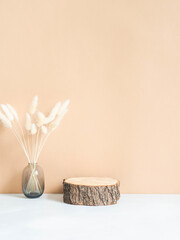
pixel 40 119
pixel 9 115
pixel 33 129
pixel 33 105
pixel 44 130
pixel 56 108
pixel 5 121
pixel 53 113
pixel 13 111
pixel 53 125
pixel 28 123
pixel 64 106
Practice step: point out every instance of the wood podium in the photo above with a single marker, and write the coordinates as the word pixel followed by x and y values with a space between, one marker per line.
pixel 91 191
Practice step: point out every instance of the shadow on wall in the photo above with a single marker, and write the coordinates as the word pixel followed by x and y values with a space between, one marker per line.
pixel 11 158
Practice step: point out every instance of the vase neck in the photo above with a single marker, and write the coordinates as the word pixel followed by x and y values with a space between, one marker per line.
pixel 32 164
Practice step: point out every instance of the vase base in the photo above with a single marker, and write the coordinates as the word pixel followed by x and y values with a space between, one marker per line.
pixel 33 195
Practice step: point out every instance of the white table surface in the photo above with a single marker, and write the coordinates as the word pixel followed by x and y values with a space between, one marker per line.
pixel 136 216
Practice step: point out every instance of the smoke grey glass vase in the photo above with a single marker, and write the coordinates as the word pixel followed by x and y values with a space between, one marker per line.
pixel 33 181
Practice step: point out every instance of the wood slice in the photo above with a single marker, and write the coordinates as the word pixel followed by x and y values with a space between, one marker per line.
pixel 91 191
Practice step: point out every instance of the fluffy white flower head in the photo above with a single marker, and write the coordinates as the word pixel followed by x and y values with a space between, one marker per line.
pixel 9 115
pixel 5 121
pixel 33 105
pixel 40 119
pixel 28 122
pixel 44 130
pixel 33 129
pixel 13 111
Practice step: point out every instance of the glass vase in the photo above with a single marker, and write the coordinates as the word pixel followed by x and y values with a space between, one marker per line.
pixel 33 181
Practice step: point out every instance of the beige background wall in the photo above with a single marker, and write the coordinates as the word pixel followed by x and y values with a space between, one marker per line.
pixel 118 62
